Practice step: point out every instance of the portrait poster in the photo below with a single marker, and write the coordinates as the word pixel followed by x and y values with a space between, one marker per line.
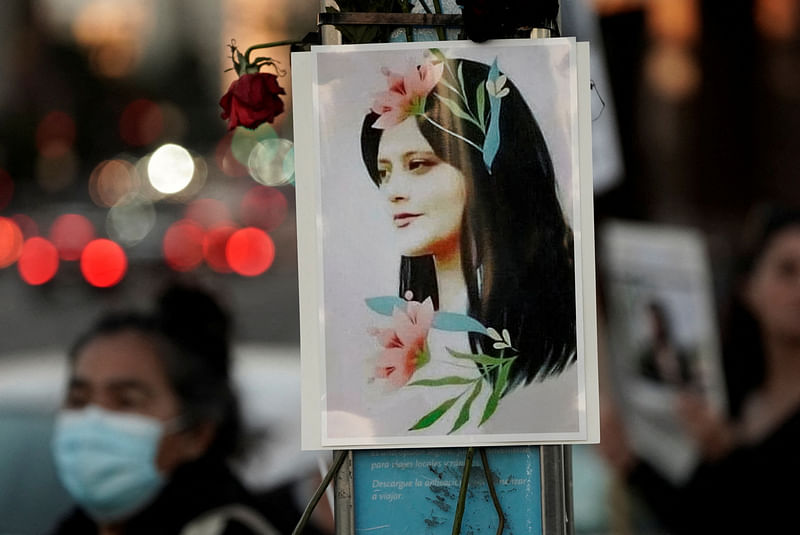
pixel 662 335
pixel 445 232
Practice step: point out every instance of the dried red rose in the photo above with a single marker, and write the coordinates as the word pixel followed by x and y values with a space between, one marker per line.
pixel 251 100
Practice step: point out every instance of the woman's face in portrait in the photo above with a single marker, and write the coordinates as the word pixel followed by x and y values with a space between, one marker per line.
pixel 424 194
pixel 773 291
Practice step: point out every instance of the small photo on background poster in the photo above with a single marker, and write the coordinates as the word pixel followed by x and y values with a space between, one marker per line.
pixel 445 225
pixel 663 334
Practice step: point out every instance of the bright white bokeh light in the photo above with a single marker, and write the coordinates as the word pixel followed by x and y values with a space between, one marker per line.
pixel 170 168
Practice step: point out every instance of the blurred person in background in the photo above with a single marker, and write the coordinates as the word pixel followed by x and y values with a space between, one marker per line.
pixel 750 458
pixel 149 422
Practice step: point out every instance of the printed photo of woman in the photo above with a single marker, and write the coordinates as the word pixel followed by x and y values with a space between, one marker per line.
pixel 467 278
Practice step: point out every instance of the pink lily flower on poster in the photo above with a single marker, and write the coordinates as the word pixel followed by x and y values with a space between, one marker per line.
pixel 407 94
pixel 404 343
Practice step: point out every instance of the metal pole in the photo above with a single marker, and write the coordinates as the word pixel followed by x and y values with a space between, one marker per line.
pixel 555 461
pixel 328 34
pixel 540 33
pixel 556 480
pixel 343 502
pixel 344 510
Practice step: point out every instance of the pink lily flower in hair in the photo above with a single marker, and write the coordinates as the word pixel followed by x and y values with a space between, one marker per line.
pixel 407 94
pixel 404 344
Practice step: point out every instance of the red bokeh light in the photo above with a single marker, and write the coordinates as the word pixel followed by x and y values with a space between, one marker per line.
pixel 103 263
pixel 250 251
pixel 70 233
pixel 183 245
pixel 208 212
pixel 55 134
pixel 27 225
pixel 141 122
pixel 264 207
pixel 38 262
pixel 6 189
pixel 11 241
pixel 214 246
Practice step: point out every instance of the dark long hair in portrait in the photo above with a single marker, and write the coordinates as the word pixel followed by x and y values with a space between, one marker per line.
pixel 516 246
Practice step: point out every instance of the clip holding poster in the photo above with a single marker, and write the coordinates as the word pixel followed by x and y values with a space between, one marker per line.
pixel 445 241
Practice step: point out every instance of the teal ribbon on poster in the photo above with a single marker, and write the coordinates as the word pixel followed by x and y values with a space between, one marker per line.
pixel 492 142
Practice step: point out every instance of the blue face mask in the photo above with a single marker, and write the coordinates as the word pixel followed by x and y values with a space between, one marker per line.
pixel 106 460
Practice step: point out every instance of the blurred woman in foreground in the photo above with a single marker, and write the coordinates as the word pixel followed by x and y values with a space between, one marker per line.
pixel 148 423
